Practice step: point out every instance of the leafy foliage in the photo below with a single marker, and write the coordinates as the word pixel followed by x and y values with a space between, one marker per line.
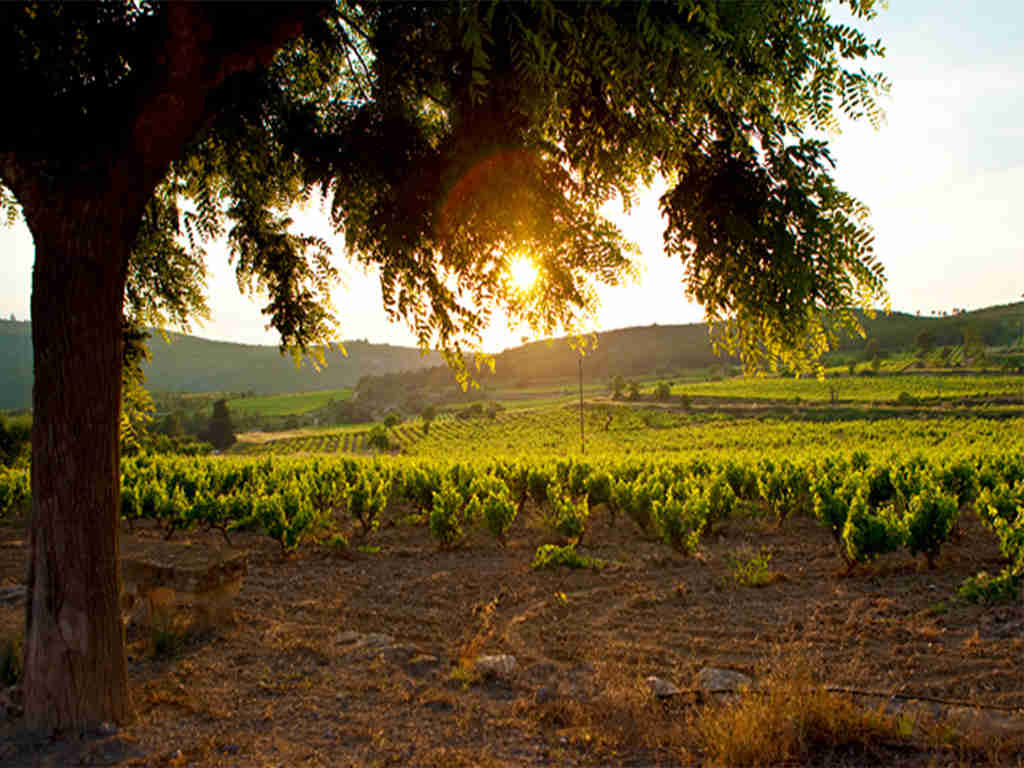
pixel 446 517
pixel 680 521
pixel 505 130
pixel 567 517
pixel 554 556
pixel 930 517
pixel 867 534
pixel 220 432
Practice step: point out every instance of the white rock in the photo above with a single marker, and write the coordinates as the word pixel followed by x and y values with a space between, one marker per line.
pixel 661 688
pixel 501 666
pixel 716 680
pixel 377 640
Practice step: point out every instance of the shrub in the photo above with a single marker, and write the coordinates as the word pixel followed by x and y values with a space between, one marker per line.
pixel 1011 540
pixel 960 479
pixel 742 480
pixel 680 521
pixel 785 488
pixel 930 518
pixel 751 569
pixel 446 517
pixel 537 483
pixel 859 460
pixel 367 498
pixel 987 589
pixel 830 509
pixel 566 518
pixel 286 517
pixel 880 487
pixel 663 391
pixel 599 488
pixel 621 497
pixel 642 495
pixel 866 535
pixel 499 512
pixel 553 556
pixel 721 500
pixel 421 482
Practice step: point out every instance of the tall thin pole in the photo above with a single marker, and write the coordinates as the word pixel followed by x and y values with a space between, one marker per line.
pixel 583 444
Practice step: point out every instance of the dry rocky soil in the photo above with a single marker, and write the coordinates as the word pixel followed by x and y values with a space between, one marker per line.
pixel 350 657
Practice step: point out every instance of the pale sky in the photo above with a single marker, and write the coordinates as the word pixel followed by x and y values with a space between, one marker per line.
pixel 944 179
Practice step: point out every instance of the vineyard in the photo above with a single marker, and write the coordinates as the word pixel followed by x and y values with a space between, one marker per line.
pixel 286 405
pixel 886 550
pixel 877 389
pixel 877 487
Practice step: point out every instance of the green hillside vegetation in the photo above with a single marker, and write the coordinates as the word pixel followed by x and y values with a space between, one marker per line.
pixel 684 352
pixel 390 376
pixel 191 364
pixel 288 405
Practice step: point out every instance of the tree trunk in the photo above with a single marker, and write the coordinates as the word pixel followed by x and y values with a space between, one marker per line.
pixel 74 645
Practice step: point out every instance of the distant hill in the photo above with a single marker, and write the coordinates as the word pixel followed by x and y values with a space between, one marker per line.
pixel 668 349
pixel 15 364
pixel 191 364
pixel 996 326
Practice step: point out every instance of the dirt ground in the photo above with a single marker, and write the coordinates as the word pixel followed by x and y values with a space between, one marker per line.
pixel 306 676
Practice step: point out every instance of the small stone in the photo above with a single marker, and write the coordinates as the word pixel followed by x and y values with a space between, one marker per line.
pixel 376 641
pixel 422 664
pixel 502 666
pixel 716 680
pixel 348 637
pixel 661 688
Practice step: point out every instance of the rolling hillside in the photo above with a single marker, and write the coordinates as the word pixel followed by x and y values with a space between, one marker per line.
pixel 191 364
pixel 666 350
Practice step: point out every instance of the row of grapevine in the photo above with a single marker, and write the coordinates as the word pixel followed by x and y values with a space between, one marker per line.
pixel 327 443
pixel 870 506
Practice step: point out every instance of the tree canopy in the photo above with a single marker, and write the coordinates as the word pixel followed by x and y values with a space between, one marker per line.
pixel 448 139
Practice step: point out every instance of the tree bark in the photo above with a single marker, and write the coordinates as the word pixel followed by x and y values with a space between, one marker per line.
pixel 75 674
pixel 83 201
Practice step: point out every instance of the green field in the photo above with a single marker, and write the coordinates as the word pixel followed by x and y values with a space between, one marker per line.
pixel 623 431
pixel 287 405
pixel 886 388
pixel 740 416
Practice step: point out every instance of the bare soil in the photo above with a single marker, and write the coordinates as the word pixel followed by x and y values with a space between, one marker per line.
pixel 303 678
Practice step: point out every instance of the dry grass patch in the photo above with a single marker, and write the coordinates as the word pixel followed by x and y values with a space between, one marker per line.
pixel 790 718
pixel 622 717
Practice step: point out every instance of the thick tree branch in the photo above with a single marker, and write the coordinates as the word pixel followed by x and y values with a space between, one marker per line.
pixel 205 45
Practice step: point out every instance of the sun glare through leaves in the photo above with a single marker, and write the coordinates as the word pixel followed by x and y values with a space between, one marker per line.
pixel 522 273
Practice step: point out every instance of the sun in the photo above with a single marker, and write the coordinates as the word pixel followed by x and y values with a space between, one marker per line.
pixel 522 273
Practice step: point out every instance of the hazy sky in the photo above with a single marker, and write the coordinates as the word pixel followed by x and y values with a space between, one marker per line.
pixel 944 179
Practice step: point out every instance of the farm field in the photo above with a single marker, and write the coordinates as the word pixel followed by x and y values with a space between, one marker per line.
pixel 359 658
pixel 287 404
pixel 880 388
pixel 625 430
pixel 836 554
